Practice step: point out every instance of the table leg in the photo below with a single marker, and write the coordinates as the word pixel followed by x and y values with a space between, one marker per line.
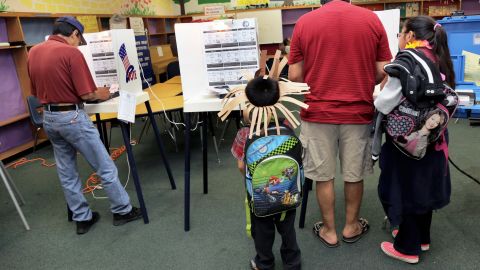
pixel 133 168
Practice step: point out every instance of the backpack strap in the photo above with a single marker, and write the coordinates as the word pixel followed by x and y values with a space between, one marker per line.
pixel 248 227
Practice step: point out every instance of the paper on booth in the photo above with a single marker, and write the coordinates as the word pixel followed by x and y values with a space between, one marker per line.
pixel 127 106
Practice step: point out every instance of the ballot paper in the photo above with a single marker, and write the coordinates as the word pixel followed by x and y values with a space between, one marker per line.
pixel 231 50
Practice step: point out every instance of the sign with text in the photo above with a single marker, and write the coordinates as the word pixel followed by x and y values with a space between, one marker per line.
pixel 214 10
pixel 144 61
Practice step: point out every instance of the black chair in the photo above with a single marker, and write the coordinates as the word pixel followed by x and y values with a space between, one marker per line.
pixel 173 69
pixel 35 116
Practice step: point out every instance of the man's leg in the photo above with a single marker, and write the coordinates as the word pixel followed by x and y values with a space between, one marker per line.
pixel 88 143
pixel 66 161
pixel 353 199
pixel 321 148
pixel 326 202
pixel 353 144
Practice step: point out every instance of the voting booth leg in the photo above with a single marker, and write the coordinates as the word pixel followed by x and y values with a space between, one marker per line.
pixel 100 130
pixel 212 130
pixel 6 181
pixel 307 186
pixel 160 144
pixel 187 173
pixel 105 136
pixel 205 151
pixel 133 168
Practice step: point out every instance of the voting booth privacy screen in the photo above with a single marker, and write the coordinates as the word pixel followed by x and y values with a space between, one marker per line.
pixel 112 59
pixel 214 57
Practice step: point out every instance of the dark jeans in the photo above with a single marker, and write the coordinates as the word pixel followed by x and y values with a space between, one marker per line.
pixel 414 230
pixel 263 233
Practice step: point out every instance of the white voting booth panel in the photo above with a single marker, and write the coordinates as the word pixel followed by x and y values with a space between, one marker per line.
pixel 202 50
pixel 112 59
pixel 391 22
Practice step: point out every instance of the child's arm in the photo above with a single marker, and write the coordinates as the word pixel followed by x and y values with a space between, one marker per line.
pixel 241 166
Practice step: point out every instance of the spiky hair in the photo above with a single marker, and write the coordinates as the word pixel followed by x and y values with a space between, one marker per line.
pixel 263 96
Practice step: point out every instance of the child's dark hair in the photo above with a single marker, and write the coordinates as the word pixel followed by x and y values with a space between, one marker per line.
pixel 425 28
pixel 262 92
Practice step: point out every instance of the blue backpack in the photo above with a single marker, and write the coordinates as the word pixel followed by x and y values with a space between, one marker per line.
pixel 274 172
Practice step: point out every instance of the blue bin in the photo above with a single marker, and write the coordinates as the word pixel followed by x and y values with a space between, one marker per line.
pixel 463 34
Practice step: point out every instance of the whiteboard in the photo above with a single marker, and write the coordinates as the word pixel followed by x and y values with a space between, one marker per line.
pixel 269 24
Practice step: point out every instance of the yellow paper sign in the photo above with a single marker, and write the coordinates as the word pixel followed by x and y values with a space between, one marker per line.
pixel 89 23
pixel 472 67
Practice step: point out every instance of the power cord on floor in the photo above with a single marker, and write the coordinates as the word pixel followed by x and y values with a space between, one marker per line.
pixel 463 172
pixel 24 161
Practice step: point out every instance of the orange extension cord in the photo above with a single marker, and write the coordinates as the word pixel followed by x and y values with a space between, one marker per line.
pixel 92 181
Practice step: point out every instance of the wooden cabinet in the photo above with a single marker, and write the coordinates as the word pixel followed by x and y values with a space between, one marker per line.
pixel 160 29
pixel 16 130
pixel 410 8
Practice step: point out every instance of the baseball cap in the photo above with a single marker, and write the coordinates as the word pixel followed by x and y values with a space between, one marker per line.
pixel 75 23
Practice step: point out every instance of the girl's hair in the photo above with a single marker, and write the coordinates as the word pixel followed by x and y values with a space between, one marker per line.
pixel 434 132
pixel 424 29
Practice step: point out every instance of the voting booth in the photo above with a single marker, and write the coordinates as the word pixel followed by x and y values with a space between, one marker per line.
pixel 113 62
pixel 215 56
pixel 112 59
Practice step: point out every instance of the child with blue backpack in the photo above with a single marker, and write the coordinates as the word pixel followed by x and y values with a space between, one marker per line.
pixel 269 157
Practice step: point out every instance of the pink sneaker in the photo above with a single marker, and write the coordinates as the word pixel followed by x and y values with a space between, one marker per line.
pixel 424 247
pixel 388 249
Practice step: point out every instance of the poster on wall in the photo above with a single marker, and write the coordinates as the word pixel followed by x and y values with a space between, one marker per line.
pixel 230 50
pixel 146 70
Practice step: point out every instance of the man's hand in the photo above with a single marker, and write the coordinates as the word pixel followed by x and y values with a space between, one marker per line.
pixel 102 93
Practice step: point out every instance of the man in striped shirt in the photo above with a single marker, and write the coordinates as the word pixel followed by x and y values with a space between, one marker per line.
pixel 339 50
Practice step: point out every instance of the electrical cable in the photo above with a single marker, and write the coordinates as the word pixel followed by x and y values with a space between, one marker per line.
pixel 163 105
pixel 463 172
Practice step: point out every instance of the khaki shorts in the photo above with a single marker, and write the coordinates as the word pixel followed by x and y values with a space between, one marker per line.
pixel 323 142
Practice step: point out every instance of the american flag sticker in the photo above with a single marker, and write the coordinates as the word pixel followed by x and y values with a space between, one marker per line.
pixel 131 73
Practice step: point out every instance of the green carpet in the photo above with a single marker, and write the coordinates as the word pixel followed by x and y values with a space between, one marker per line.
pixel 217 237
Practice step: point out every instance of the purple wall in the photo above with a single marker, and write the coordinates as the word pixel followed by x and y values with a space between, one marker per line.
pixel 3 31
pixel 15 134
pixel 11 101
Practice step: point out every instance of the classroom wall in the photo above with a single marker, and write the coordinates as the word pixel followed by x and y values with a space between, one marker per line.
pixel 197 6
pixel 138 7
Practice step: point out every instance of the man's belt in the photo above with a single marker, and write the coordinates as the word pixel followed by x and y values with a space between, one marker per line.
pixel 62 107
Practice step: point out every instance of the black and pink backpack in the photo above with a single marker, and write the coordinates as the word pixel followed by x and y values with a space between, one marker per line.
pixel 424 111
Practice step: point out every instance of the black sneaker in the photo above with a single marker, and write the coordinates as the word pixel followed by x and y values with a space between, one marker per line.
pixel 134 214
pixel 84 226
